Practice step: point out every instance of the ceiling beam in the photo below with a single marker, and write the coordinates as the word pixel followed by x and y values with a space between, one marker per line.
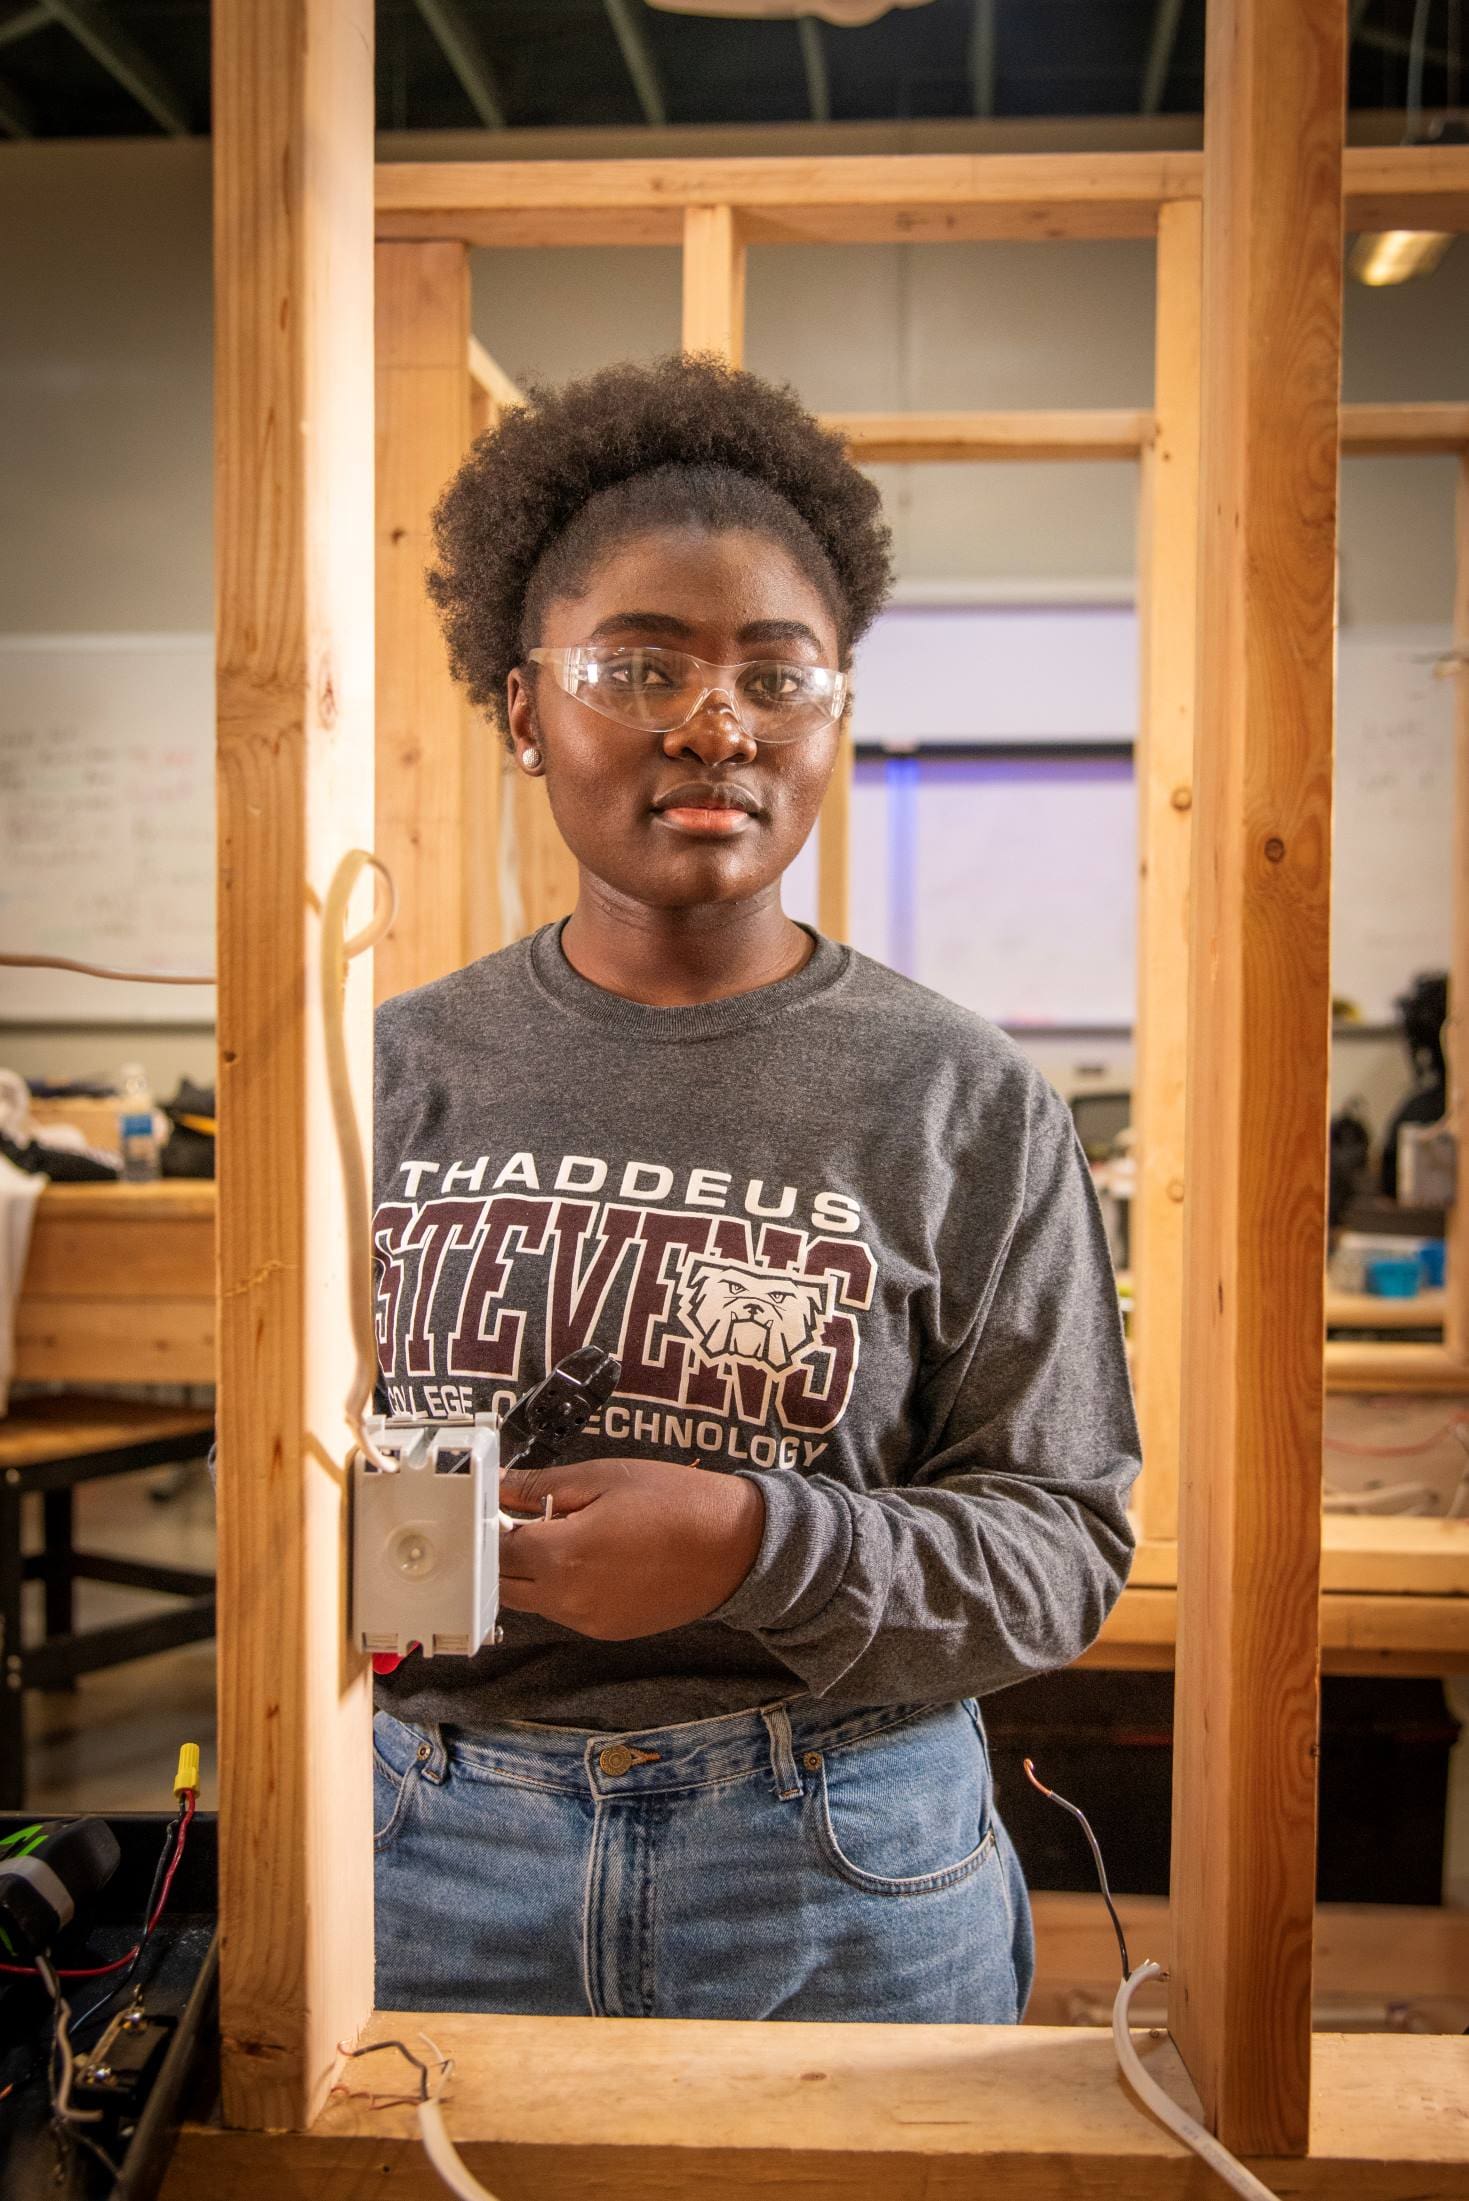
pixel 21 25
pixel 459 43
pixel 16 118
pixel 632 37
pixel 108 43
pixel 982 58
pixel 813 58
pixel 1160 55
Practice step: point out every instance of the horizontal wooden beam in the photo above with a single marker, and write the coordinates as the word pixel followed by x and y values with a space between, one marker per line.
pixel 1373 1553
pixel 115 1338
pixel 1384 1364
pixel 1359 1634
pixel 1385 431
pixel 1373 1311
pixel 872 199
pixel 853 199
pixel 1406 187
pixel 1367 431
pixel 555 2109
pixel 908 438
pixel 1359 1949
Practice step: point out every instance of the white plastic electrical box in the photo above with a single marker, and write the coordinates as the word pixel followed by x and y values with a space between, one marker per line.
pixel 425 1539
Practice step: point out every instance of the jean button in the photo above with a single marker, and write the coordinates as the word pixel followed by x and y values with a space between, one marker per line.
pixel 424 1751
pixel 616 1758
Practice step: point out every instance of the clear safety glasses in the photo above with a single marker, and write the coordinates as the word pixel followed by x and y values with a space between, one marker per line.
pixel 657 691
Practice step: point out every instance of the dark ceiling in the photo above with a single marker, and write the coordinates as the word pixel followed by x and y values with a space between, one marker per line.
pixel 131 68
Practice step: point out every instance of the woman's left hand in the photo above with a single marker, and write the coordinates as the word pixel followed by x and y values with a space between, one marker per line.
pixel 634 1546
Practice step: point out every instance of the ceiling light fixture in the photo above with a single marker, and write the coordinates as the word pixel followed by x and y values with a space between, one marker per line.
pixel 1396 255
pixel 1385 256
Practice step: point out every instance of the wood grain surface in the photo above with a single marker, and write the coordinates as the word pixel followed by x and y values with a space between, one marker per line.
pixel 1168 620
pixel 1244 1839
pixel 873 198
pixel 428 831
pixel 714 283
pixel 586 2109
pixel 293 122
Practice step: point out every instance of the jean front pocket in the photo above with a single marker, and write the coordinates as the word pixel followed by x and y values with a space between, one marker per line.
pixel 396 1756
pixel 907 1811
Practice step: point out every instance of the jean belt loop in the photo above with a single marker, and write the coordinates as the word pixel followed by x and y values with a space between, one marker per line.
pixel 433 1760
pixel 782 1754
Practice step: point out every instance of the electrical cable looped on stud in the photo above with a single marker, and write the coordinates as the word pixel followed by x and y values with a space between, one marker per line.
pixel 1144 2086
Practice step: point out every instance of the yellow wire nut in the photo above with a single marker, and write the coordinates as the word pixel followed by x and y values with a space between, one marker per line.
pixel 186 1780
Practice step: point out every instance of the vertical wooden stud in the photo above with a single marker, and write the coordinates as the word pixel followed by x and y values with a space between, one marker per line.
pixel 714 283
pixel 1244 1822
pixel 293 166
pixel 834 847
pixel 434 827
pixel 483 842
pixel 1168 615
pixel 492 912
pixel 1456 1309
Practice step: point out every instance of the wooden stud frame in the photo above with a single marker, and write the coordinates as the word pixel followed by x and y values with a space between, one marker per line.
pixel 569 2106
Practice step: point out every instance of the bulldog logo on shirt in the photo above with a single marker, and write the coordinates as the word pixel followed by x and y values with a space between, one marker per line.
pixel 748 1312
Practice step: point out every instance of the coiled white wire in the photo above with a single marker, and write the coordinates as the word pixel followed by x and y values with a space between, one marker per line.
pixel 445 2157
pixel 1164 2108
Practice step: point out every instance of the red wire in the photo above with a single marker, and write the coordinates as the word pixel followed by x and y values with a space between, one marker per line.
pixel 190 1802
pixel 100 1971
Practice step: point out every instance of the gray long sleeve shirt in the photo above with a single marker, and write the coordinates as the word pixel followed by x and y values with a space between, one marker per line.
pixel 843 1239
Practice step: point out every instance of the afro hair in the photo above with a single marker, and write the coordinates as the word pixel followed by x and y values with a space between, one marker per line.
pixel 684 441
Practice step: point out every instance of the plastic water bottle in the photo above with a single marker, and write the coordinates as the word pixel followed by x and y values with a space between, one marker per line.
pixel 136 1135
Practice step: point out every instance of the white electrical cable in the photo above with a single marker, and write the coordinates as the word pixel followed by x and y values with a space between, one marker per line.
pixel 337 950
pixel 445 2157
pixel 1164 2108
pixel 61 2095
pixel 338 947
pixel 100 970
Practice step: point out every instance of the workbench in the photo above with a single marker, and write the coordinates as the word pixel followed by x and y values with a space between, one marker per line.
pixel 119 1285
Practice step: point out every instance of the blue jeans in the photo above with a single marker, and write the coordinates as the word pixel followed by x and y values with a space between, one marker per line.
pixel 792 1862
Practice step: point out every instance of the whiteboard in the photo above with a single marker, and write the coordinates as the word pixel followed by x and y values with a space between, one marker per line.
pixel 1010 884
pixel 928 673
pixel 107 822
pixel 1393 849
pixel 1006 883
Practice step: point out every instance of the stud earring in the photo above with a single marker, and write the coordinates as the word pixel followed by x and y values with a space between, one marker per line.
pixel 530 758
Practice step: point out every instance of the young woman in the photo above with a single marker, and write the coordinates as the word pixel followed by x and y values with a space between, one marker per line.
pixel 869 1455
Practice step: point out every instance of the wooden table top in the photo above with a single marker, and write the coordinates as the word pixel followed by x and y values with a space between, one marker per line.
pixel 173 1199
pixel 53 1428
